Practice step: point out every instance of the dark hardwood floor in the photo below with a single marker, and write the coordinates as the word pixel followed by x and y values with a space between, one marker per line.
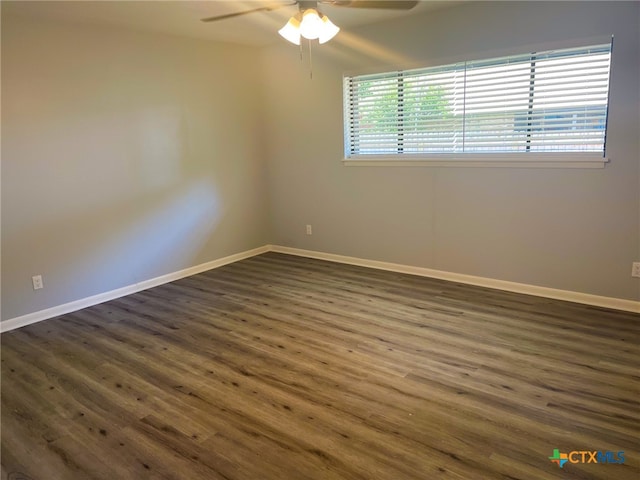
pixel 280 367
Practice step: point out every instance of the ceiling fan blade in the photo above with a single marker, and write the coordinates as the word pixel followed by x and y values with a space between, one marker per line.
pixel 388 4
pixel 266 8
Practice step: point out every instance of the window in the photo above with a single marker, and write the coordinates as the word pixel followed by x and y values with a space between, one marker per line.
pixel 552 102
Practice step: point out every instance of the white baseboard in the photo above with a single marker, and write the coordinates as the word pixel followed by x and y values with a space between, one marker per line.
pixel 577 297
pixel 584 298
pixel 56 311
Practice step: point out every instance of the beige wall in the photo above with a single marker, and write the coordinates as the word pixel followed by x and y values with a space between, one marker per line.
pixel 577 230
pixel 124 157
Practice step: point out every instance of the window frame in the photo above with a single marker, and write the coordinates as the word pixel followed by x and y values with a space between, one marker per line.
pixel 526 159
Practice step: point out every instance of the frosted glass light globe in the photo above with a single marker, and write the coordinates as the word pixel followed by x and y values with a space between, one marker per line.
pixel 311 25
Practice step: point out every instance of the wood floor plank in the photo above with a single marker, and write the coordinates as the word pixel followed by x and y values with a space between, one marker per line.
pixel 283 367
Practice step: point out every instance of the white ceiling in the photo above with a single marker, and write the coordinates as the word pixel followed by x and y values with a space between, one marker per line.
pixel 182 17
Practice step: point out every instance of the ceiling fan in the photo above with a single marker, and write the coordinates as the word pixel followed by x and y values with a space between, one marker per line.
pixel 310 23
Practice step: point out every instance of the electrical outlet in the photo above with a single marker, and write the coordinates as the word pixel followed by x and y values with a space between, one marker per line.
pixel 635 269
pixel 37 282
pixel 309 230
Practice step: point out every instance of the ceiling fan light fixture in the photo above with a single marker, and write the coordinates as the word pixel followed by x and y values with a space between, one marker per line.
pixel 329 30
pixel 311 25
pixel 291 31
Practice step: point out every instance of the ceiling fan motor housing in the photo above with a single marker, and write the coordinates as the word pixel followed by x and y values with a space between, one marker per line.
pixel 304 5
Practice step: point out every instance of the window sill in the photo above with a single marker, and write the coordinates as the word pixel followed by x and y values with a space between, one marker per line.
pixel 488 160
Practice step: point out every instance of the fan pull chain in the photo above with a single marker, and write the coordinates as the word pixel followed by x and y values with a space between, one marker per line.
pixel 310 62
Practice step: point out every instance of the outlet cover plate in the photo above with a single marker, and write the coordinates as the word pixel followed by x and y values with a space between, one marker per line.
pixel 37 282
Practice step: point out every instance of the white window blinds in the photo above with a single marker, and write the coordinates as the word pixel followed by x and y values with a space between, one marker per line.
pixel 553 101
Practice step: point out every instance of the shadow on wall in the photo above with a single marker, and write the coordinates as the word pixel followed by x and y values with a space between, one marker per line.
pixel 174 232
pixel 98 251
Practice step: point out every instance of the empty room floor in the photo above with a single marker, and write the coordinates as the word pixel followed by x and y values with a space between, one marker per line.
pixel 283 367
